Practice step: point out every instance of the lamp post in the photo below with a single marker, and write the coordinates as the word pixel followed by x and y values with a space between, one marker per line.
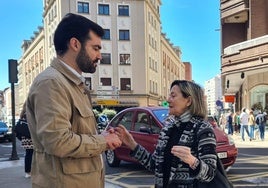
pixel 13 78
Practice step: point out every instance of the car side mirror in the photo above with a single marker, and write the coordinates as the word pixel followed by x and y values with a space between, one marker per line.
pixel 145 130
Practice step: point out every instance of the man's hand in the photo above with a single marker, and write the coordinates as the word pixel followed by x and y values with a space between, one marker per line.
pixel 125 136
pixel 112 140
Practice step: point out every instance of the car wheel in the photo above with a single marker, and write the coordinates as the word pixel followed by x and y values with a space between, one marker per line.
pixel 111 159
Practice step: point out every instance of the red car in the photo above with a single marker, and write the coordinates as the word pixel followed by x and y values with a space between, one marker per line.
pixel 144 123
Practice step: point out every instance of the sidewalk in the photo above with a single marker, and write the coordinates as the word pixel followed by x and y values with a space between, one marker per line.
pixel 247 143
pixel 12 175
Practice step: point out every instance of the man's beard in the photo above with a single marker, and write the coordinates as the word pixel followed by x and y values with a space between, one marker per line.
pixel 84 62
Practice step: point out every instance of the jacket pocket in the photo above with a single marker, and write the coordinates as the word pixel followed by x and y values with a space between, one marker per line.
pixel 83 121
pixel 84 111
pixel 82 165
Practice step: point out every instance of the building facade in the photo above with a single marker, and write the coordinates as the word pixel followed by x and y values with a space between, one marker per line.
pixel 31 63
pixel 138 62
pixel 7 105
pixel 244 52
pixel 213 94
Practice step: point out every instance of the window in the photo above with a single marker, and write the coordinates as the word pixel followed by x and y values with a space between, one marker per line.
pixel 104 9
pixel 141 121
pixel 106 35
pixel 126 120
pixel 106 58
pixel 106 81
pixel 123 34
pixel 88 82
pixel 83 7
pixel 124 59
pixel 123 10
pixel 125 84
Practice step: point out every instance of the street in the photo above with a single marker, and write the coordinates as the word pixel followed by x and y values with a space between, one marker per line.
pixel 250 169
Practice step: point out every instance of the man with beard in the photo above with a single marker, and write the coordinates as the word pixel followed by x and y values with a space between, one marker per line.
pixel 67 147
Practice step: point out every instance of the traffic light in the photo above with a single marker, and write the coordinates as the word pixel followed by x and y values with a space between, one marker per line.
pixel 13 71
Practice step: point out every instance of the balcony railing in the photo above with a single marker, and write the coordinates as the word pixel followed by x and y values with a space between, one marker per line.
pixel 233 49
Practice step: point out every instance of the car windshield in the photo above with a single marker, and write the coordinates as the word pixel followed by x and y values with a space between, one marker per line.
pixel 160 114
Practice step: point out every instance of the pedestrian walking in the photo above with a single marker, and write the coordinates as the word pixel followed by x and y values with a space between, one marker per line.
pixel 251 122
pixel 67 148
pixel 222 122
pixel 244 117
pixel 229 121
pixel 261 122
pixel 237 125
pixel 23 134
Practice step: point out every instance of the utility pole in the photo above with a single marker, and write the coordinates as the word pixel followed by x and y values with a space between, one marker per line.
pixel 13 78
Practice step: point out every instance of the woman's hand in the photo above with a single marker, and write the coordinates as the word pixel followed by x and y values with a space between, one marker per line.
pixel 125 137
pixel 184 153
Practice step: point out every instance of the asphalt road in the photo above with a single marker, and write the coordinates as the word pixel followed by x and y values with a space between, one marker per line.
pixel 250 169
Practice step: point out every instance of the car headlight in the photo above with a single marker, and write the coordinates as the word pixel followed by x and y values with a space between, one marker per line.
pixel 231 140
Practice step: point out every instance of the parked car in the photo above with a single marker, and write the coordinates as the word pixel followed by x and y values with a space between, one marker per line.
pixel 144 123
pixel 5 133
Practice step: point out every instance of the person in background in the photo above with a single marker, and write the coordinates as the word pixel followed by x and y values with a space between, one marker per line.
pixel 222 122
pixel 229 121
pixel 27 144
pixel 67 148
pixel 261 122
pixel 237 123
pixel 186 149
pixel 244 124
pixel 251 122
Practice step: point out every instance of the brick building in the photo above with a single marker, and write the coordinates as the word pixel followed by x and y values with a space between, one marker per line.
pixel 244 52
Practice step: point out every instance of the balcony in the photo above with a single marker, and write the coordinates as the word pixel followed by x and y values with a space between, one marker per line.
pixel 234 11
pixel 248 57
pixel 236 48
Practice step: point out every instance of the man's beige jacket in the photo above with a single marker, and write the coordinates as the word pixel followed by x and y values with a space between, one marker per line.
pixel 67 149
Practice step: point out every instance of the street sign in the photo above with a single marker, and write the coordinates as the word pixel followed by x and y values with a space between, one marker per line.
pixel 107 92
pixel 229 98
pixel 108 102
pixel 103 119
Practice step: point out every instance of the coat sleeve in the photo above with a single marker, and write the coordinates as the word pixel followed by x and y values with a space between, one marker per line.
pixel 50 112
pixel 144 157
pixel 207 154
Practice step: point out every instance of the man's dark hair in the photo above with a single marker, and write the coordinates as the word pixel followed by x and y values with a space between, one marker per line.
pixel 73 25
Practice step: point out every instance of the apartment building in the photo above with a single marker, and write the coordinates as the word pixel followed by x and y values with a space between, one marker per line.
pixel 31 63
pixel 244 52
pixel 213 94
pixel 139 62
pixel 6 109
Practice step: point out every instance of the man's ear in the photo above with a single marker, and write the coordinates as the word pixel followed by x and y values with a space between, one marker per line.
pixel 75 44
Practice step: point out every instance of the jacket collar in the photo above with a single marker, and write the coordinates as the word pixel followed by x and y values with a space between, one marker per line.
pixel 58 65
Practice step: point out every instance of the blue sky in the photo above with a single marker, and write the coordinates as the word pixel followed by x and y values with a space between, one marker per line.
pixel 19 19
pixel 190 24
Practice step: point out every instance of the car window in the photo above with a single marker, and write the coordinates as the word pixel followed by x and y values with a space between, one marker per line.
pixel 141 121
pixel 160 114
pixel 126 120
pixel 155 128
pixel 146 120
